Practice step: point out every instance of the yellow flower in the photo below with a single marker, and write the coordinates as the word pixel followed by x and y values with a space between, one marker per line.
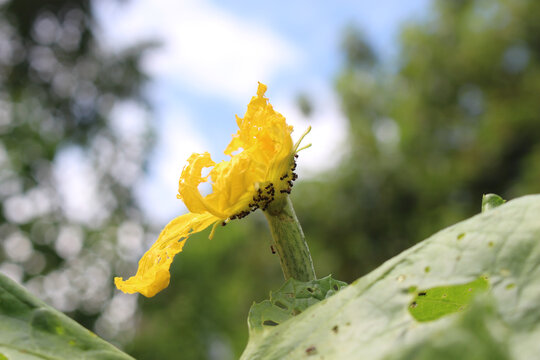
pixel 259 175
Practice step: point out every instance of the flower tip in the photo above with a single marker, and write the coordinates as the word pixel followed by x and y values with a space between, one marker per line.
pixel 148 289
pixel 261 89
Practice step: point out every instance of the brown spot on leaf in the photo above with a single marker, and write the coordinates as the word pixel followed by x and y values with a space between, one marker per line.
pixel 312 350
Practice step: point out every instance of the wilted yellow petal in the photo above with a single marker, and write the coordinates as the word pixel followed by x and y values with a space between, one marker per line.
pixel 153 273
pixel 190 179
pixel 260 172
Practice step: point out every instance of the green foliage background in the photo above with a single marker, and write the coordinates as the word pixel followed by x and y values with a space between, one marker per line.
pixel 459 118
pixel 455 116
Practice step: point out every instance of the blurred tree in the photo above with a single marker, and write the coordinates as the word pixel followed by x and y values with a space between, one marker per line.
pixel 460 117
pixel 68 159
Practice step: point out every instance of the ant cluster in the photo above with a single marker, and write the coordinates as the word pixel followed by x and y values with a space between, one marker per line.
pixel 294 176
pixel 265 196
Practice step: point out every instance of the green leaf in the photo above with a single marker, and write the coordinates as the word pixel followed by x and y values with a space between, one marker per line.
pixel 371 318
pixel 30 330
pixel 431 304
pixel 491 201
pixel 291 299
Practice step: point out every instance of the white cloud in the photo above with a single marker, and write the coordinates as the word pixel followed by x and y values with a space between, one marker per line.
pixel 204 47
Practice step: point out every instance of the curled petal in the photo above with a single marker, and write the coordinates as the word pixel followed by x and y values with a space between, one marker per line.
pixel 191 178
pixel 234 180
pixel 153 273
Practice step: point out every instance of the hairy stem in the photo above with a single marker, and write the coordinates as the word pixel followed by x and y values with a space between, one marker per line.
pixel 290 243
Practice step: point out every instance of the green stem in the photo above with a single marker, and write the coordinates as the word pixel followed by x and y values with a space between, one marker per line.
pixel 289 242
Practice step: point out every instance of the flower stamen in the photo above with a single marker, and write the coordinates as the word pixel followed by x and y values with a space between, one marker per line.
pixel 304 147
pixel 295 149
pixel 213 231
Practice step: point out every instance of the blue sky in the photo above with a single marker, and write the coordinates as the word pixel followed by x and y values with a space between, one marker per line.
pixel 212 55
